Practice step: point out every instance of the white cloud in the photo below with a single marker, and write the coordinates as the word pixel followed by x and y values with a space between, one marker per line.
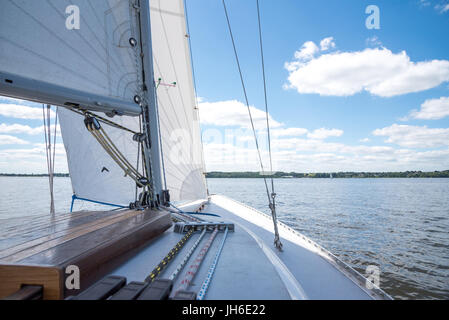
pixel 308 155
pixel 229 157
pixel 7 139
pixel 415 136
pixel 21 112
pixel 307 51
pixel 327 43
pixel 233 113
pixel 25 129
pixel 324 133
pixel 59 150
pixel 303 150
pixel 306 145
pixel 36 152
pixel 442 8
pixel 432 109
pixel 31 160
pixel 376 70
pixel 232 148
pixel 364 140
pixel 314 145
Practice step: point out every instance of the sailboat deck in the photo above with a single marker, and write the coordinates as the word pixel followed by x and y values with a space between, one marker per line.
pixel 250 267
pixel 243 271
pixel 132 243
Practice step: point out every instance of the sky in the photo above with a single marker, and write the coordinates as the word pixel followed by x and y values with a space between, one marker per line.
pixel 341 96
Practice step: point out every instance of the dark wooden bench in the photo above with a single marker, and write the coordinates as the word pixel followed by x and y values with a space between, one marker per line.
pixel 38 253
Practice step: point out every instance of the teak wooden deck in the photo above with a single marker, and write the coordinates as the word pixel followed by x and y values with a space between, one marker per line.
pixel 37 250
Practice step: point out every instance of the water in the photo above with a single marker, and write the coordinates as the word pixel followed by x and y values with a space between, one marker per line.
pixel 399 225
pixel 34 192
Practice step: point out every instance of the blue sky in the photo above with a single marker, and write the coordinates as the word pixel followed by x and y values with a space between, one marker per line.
pixel 419 28
pixel 341 97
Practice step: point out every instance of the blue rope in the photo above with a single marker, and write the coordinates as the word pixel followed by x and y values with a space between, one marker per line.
pixel 198 213
pixel 74 197
pixel 202 213
pixel 211 271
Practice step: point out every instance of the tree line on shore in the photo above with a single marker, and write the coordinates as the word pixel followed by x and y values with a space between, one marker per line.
pixel 281 174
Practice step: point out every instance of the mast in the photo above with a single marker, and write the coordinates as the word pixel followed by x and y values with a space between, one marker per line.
pixel 149 109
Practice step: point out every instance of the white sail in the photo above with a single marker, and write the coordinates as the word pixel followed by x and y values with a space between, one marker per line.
pixel 70 52
pixel 94 174
pixel 98 63
pixel 179 122
pixel 92 63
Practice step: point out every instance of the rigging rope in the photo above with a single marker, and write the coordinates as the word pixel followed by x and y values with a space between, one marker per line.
pixel 48 150
pixel 102 137
pixel 94 127
pixel 271 205
pixel 101 119
pixel 184 214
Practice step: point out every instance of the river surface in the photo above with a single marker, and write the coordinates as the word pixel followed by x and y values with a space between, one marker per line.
pixel 399 225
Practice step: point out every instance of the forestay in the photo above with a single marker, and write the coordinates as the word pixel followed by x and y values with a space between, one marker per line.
pixel 178 113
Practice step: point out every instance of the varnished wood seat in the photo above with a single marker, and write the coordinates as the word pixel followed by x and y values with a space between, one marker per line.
pixel 39 252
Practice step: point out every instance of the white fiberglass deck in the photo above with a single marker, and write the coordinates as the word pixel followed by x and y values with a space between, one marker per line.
pixel 249 266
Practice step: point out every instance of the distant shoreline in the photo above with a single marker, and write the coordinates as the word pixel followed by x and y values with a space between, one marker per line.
pixel 32 174
pixel 286 175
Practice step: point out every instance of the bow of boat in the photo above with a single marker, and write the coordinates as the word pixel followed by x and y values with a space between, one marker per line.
pixel 249 266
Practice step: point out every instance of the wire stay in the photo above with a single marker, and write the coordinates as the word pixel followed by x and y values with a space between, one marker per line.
pixel 271 197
